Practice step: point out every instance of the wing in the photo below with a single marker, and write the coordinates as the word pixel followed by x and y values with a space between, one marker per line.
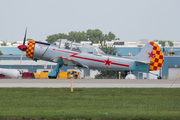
pixel 70 62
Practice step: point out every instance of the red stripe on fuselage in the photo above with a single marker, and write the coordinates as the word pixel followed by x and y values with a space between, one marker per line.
pixel 120 64
pixel 86 58
pixel 102 61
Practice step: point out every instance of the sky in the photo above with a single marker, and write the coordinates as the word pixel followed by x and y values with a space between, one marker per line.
pixel 129 20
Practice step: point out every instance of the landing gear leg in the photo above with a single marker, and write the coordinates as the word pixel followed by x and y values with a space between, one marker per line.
pixel 158 77
pixel 53 74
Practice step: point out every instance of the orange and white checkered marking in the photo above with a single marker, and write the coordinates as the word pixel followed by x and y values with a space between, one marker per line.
pixel 30 49
pixel 158 60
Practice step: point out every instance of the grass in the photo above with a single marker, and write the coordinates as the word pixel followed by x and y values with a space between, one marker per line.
pixel 90 103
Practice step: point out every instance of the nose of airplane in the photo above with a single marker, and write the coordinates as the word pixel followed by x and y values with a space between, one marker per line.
pixel 22 47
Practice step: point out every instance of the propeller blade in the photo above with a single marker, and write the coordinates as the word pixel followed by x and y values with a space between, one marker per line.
pixel 25 37
pixel 21 57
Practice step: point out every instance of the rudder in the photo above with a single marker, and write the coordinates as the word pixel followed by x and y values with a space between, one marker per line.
pixel 157 62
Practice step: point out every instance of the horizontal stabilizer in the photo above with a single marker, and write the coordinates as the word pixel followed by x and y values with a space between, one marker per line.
pixel 145 62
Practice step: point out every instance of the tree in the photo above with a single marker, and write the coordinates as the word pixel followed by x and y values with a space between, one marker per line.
pixel 14 43
pixel 170 43
pixel 92 35
pixel 3 44
pixel 163 42
pixel 109 74
pixel 1 52
pixel 110 36
pixel 95 35
pixel 77 36
pixel 53 38
pixel 29 39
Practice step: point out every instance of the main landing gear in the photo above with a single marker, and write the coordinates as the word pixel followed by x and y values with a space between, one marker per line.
pixel 53 74
pixel 158 77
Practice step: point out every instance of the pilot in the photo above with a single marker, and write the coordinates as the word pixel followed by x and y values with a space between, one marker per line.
pixel 67 46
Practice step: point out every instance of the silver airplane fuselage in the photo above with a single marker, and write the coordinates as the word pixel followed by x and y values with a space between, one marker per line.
pixel 96 60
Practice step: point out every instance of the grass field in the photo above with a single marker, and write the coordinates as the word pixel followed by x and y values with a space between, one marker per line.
pixel 90 103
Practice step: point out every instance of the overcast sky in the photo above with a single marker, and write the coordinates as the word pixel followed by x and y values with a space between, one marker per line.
pixel 129 20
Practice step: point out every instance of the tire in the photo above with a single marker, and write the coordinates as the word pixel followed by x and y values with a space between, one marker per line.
pixel 50 77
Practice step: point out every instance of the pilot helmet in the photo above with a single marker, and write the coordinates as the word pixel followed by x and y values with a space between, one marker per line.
pixel 66 44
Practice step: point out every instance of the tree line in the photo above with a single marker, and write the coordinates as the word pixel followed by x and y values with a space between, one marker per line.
pixel 162 42
pixel 94 36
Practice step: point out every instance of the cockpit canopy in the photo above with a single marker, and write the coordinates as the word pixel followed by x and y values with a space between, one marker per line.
pixel 77 47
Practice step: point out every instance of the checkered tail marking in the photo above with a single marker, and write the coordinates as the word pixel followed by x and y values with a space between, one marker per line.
pixel 30 49
pixel 158 60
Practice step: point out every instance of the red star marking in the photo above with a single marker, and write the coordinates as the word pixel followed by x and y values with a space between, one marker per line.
pixel 151 55
pixel 107 62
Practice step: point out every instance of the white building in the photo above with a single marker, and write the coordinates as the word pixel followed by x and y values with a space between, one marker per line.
pixel 176 44
pixel 86 42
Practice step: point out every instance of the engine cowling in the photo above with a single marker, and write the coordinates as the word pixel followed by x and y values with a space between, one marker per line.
pixel 30 49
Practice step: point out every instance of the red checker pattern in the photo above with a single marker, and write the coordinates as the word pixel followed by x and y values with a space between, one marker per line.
pixel 157 62
pixel 30 49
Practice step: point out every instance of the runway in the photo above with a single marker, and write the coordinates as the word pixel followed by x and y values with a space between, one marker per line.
pixel 91 83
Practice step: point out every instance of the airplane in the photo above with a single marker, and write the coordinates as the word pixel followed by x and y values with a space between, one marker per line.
pixel 68 53
pixel 10 73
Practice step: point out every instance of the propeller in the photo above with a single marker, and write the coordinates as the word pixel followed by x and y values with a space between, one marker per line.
pixel 25 37
pixel 21 57
pixel 23 47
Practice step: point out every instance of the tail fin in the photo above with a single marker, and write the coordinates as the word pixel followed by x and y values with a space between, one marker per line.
pixel 151 54
pixel 158 60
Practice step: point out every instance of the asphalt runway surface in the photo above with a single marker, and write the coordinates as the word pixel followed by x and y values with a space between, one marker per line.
pixel 91 83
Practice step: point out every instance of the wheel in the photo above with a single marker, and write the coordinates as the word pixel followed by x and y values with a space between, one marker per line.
pixel 50 77
pixel 159 77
